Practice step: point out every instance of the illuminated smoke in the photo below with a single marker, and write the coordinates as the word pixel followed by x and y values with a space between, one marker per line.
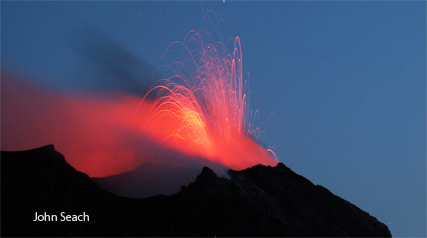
pixel 197 112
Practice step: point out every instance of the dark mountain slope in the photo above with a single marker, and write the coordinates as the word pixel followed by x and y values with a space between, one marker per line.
pixel 150 179
pixel 258 201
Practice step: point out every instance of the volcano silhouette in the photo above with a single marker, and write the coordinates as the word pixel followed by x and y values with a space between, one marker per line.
pixel 150 179
pixel 258 201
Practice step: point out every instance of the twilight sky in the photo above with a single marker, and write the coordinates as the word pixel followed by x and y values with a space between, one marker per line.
pixel 341 85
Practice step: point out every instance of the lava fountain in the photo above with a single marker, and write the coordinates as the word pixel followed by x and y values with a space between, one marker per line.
pixel 200 108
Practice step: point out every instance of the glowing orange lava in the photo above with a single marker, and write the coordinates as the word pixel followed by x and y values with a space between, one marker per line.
pixel 202 111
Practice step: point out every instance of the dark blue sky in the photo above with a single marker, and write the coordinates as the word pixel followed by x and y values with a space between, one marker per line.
pixel 344 81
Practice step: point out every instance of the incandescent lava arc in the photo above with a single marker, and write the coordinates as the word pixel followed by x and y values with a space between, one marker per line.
pixel 203 110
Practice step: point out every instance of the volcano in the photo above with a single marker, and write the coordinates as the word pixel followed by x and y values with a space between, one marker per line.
pixel 257 201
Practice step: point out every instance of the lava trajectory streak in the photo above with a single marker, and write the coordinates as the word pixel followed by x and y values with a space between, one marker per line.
pixel 200 108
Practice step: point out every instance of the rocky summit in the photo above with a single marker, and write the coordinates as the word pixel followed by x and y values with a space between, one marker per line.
pixel 42 195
